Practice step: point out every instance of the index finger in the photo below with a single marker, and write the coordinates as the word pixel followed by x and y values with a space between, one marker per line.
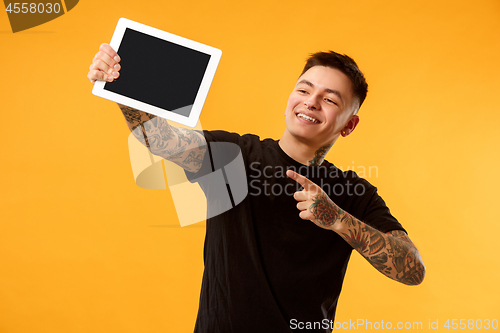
pixel 306 183
pixel 106 48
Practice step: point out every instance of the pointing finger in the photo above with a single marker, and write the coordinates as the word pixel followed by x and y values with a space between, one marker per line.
pixel 306 183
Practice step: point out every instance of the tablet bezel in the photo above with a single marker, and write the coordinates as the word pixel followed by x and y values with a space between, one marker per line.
pixel 192 119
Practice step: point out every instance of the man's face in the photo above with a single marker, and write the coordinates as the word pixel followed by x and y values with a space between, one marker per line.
pixel 320 106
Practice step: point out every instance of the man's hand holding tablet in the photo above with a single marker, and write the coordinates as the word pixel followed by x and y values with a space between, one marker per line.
pixel 105 65
pixel 160 73
pixel 178 145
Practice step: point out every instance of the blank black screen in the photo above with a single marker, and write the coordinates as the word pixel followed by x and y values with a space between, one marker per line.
pixel 158 72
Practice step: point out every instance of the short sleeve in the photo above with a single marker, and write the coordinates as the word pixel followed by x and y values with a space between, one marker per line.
pixel 207 165
pixel 378 215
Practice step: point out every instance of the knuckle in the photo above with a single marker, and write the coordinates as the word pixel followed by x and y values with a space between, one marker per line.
pixel 100 56
pixel 96 64
pixel 92 75
pixel 107 49
pixel 100 64
pixel 96 75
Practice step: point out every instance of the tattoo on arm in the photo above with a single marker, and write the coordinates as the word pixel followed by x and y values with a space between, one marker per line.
pixel 196 160
pixel 393 254
pixel 408 262
pixel 182 146
pixel 135 119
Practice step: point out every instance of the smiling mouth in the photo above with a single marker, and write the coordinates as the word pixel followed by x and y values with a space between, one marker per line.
pixel 311 119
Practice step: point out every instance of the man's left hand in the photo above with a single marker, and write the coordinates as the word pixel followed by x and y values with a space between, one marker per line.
pixel 314 204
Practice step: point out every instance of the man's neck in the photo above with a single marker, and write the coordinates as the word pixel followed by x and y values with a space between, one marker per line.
pixel 302 151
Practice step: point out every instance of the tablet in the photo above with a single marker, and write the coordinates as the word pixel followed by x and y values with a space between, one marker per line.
pixel 161 73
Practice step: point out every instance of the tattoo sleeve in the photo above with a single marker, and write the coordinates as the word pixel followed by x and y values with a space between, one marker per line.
pixel 393 254
pixel 182 146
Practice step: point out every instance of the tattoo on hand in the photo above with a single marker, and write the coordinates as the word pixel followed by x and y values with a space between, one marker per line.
pixel 324 210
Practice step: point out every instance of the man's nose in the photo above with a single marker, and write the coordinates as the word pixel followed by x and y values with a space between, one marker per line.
pixel 312 102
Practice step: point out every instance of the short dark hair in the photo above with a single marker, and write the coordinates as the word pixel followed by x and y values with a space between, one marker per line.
pixel 346 65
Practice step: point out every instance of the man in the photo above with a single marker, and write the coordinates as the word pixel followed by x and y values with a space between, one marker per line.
pixel 266 269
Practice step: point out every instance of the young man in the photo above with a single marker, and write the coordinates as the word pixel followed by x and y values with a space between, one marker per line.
pixel 266 269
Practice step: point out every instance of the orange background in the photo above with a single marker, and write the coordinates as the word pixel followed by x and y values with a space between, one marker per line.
pixel 83 249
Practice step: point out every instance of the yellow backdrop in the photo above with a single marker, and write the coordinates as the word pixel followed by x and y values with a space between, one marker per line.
pixel 83 249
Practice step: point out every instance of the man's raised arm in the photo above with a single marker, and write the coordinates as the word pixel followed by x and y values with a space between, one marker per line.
pixel 182 146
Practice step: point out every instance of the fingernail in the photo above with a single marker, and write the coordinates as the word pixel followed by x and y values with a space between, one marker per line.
pixel 117 67
pixel 109 79
pixel 115 74
pixel 117 58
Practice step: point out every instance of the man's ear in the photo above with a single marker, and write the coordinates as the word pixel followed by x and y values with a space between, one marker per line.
pixel 350 126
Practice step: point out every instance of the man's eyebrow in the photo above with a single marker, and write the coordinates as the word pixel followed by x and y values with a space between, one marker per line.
pixel 328 90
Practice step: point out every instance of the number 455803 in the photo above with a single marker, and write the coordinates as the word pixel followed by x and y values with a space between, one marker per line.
pixel 25 8
pixel 471 324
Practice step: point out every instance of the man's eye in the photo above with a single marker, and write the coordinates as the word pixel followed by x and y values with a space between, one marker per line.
pixel 331 101
pixel 302 91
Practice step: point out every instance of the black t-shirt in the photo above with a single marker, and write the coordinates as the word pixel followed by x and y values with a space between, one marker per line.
pixel 266 269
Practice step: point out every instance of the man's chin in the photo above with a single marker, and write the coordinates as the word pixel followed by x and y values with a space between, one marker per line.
pixel 311 138
pixel 307 137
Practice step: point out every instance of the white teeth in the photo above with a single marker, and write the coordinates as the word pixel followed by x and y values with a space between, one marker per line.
pixel 307 118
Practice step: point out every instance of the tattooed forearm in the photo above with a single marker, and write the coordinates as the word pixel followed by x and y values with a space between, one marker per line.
pixel 392 254
pixel 358 239
pixel 408 262
pixel 319 155
pixel 135 117
pixel 135 121
pixel 193 158
pixel 377 241
pixel 182 146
